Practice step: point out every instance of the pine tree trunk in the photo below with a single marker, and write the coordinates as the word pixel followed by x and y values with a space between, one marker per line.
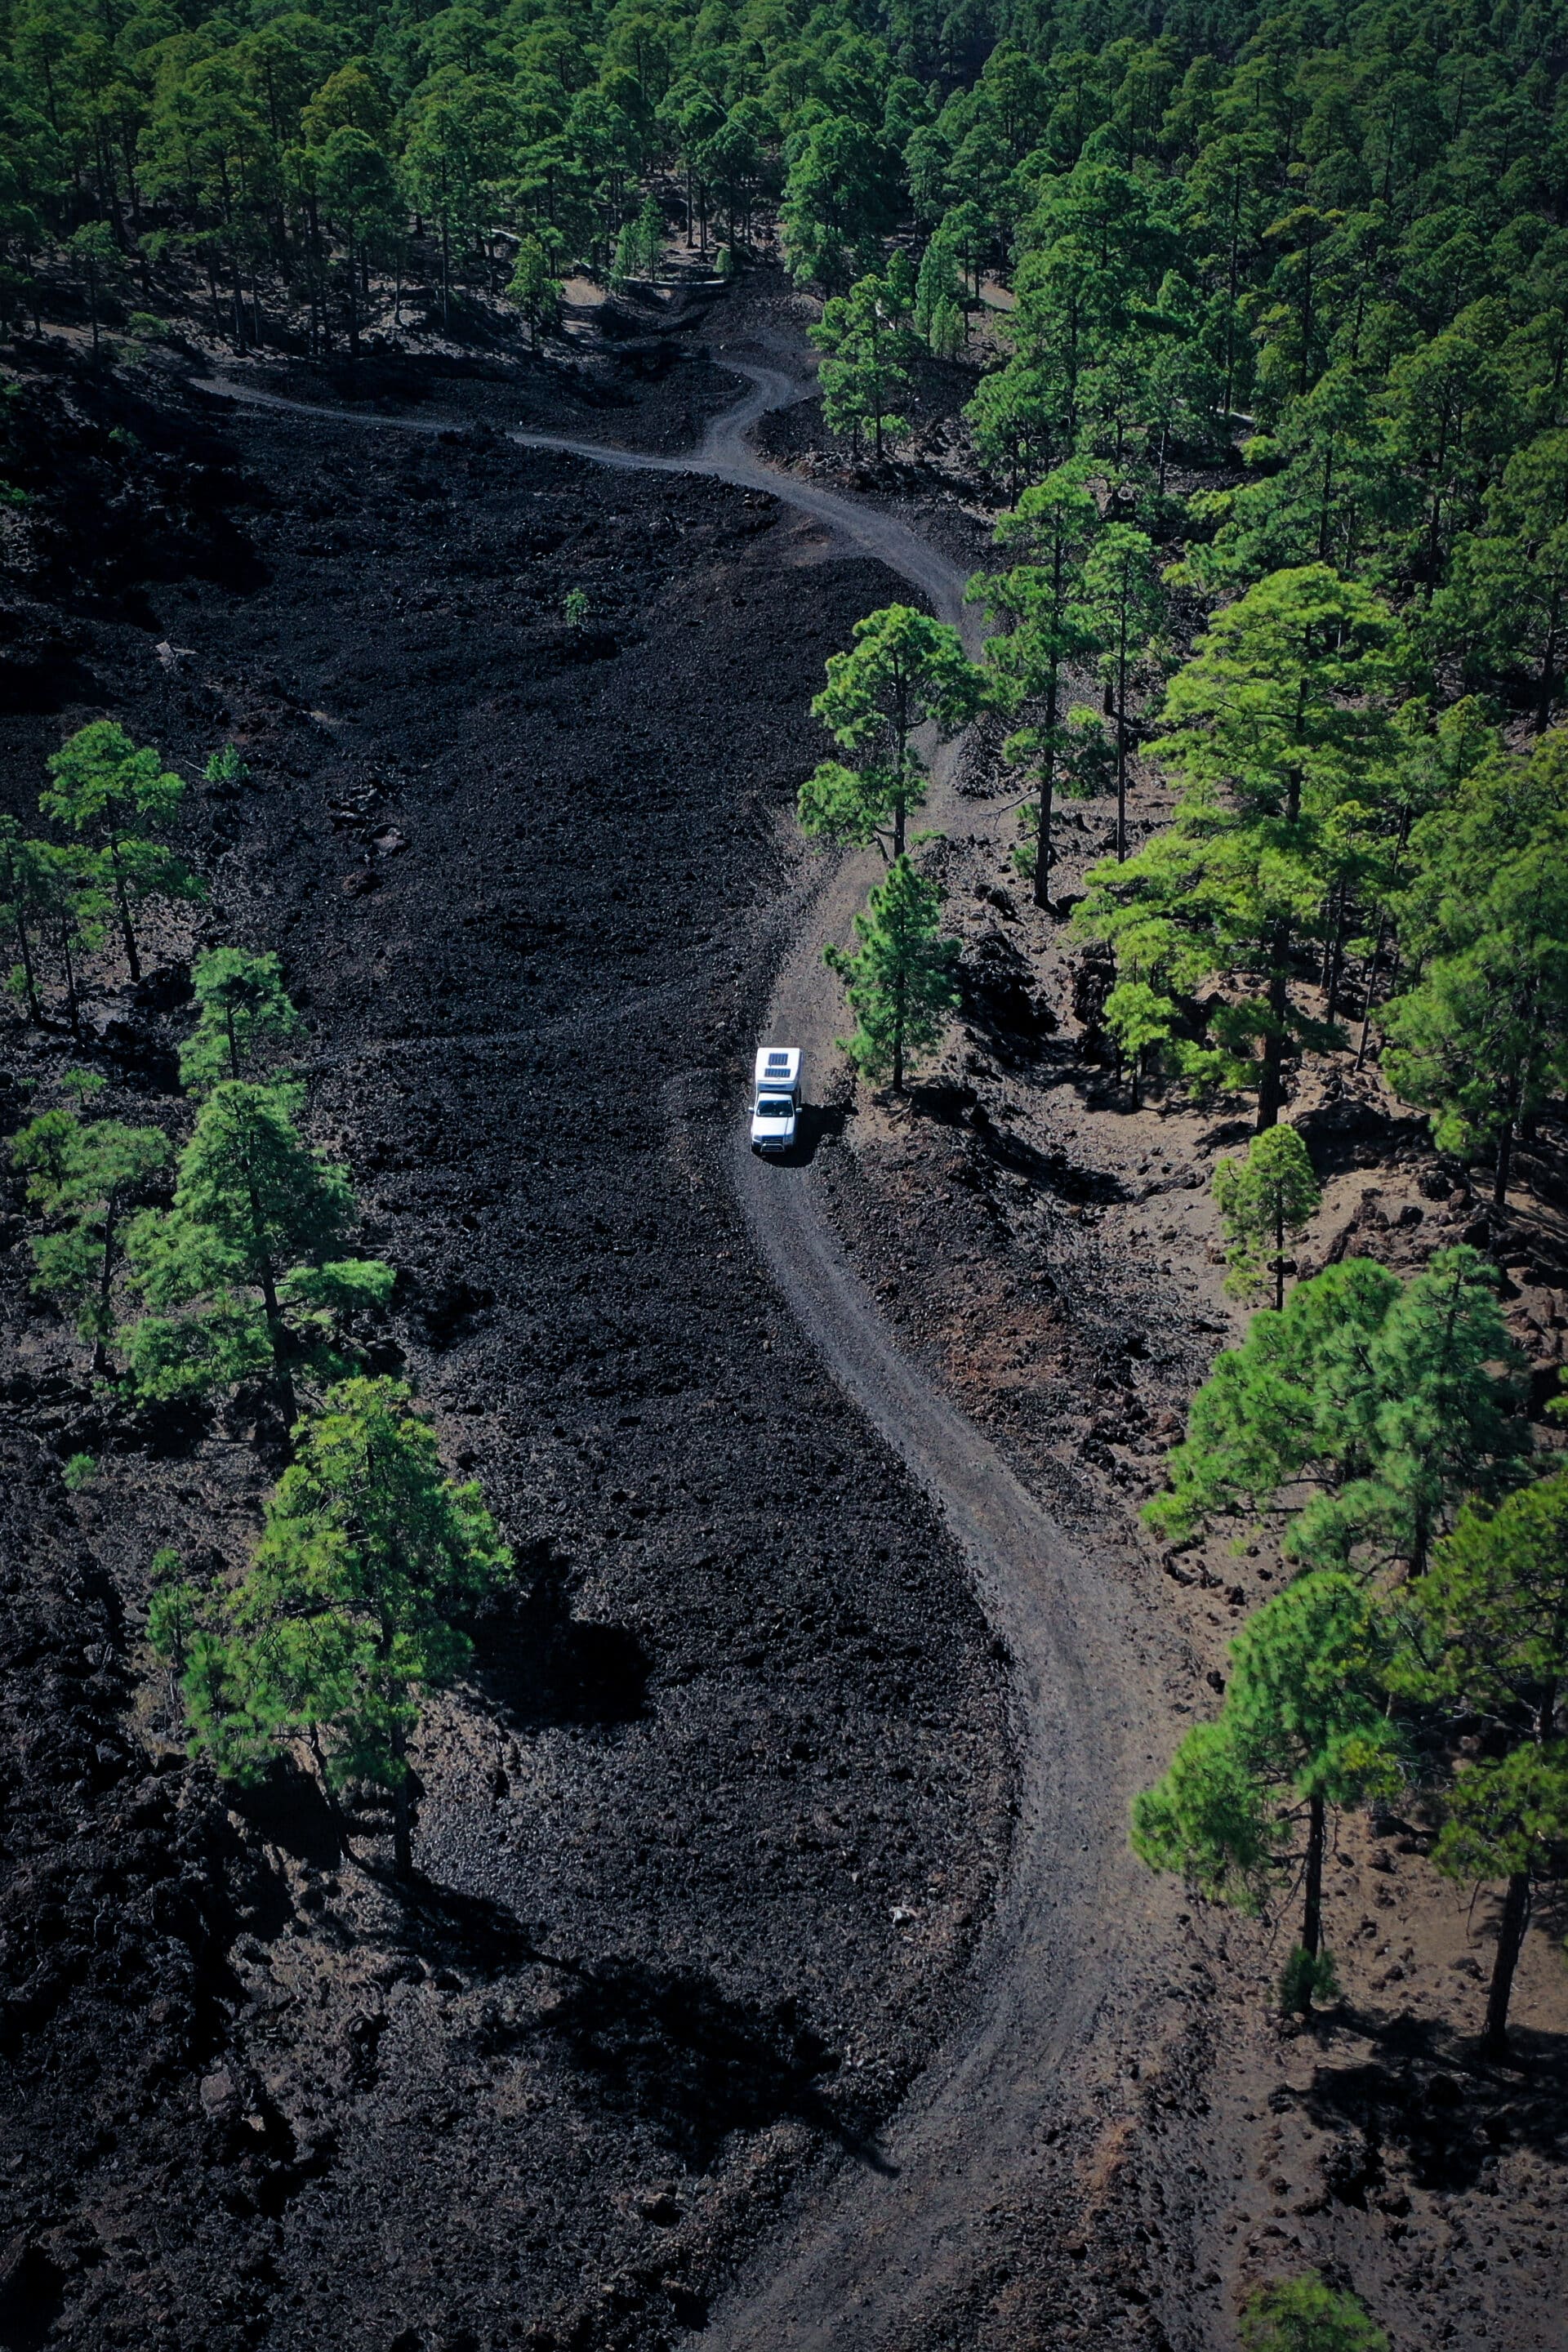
pixel 1279 1256
pixel 1380 943
pixel 105 1288
pixel 340 1821
pixel 122 901
pixel 1043 838
pixel 1504 1166
pixel 1336 950
pixel 1271 1084
pixel 1312 1918
pixel 71 1012
pixel 1511 1936
pixel 901 729
pixel 276 1331
pixel 401 1831
pixel 29 978
pixel 1122 738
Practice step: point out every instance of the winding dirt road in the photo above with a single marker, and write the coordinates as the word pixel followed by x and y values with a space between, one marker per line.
pixel 882 2246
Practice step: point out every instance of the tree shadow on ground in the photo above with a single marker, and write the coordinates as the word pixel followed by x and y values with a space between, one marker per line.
pixel 32 2297
pixel 289 1808
pixel 447 1927
pixel 959 1107
pixel 1437 2098
pixel 666 2046
pixel 999 1001
pixel 536 1664
pixel 1350 1133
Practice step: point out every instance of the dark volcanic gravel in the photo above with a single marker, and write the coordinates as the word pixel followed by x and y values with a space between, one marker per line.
pixel 708 1840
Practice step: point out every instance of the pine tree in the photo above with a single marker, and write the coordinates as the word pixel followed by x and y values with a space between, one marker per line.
pixel 904 671
pixel 176 1614
pixel 946 332
pixel 85 1174
pixel 532 286
pixel 242 1008
pixel 1261 1198
pixel 98 259
pixel 1043 593
pixel 1140 1021
pixel 65 890
pixel 1301 1728
pixel 242 1277
pixel 864 373
pixel 639 246
pixel 1272 726
pixel 901 983
pixel 103 787
pixel 26 896
pixel 1125 606
pixel 1485 1641
pixel 1361 1415
pixel 1482 1038
pixel 350 1611
pixel 357 191
pixel 939 291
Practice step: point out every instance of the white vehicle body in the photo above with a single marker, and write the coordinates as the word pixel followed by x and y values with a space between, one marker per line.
pixel 775 1097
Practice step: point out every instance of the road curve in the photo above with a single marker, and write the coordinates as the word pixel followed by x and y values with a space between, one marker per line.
pixel 859 2269
pixel 858 2272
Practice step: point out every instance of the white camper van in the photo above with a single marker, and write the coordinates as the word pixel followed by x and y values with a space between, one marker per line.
pixel 775 1097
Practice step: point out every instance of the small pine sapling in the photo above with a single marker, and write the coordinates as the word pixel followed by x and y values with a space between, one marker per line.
pixel 85 1175
pixel 901 984
pixel 903 670
pixel 242 1009
pixel 243 1275
pixel 350 1611
pixel 1270 1194
pixel 226 768
pixel 1485 1639
pixel 105 789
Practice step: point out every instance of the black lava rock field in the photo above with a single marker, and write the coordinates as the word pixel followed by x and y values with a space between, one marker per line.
pixel 705 1843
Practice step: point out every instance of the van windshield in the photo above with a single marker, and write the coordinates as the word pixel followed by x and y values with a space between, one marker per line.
pixel 775 1107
